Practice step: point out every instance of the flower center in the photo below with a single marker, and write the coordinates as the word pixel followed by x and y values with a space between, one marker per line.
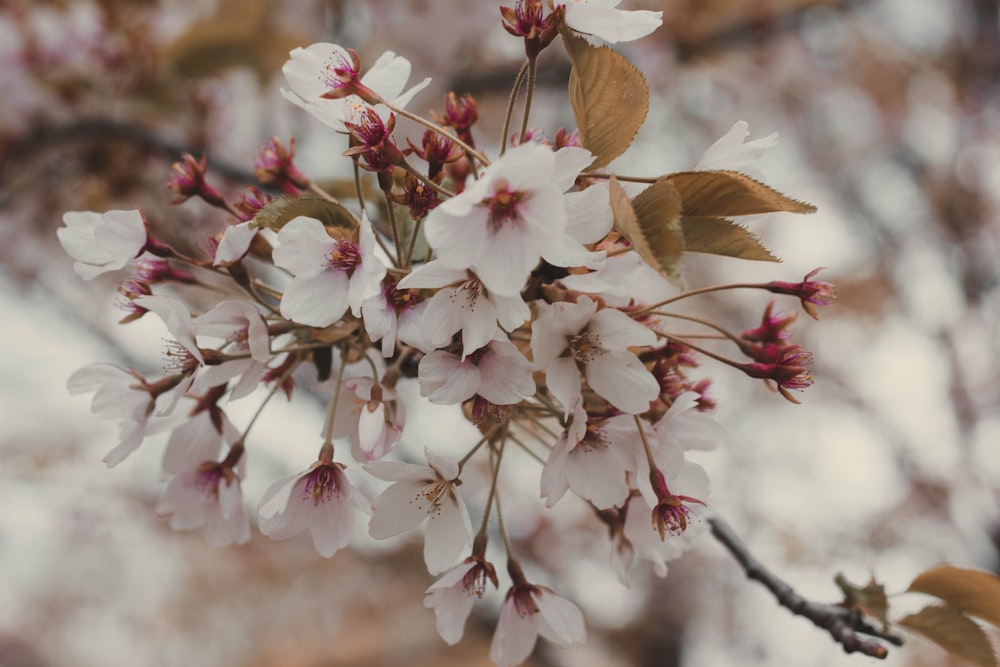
pixel 344 256
pixel 321 484
pixel 503 207
pixel 585 347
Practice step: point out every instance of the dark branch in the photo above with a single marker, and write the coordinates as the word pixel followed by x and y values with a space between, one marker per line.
pixel 847 626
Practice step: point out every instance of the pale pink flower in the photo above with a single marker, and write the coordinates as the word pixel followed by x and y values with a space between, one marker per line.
pixel 423 492
pixel 638 537
pixel 236 241
pixel 511 217
pixel 322 77
pixel 463 303
pixel 320 500
pixel 369 414
pixel 395 312
pixel 570 341
pixel 331 274
pixel 122 395
pixel 452 596
pixel 208 495
pixel 498 372
pixel 529 611
pixel 599 19
pixel 592 458
pixel 241 326
pixel 101 242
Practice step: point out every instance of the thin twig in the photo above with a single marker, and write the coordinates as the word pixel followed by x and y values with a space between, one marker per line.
pixel 844 624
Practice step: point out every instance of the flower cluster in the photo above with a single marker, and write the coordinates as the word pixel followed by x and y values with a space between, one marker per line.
pixel 520 309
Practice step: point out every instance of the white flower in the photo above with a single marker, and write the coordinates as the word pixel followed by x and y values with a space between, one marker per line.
pixel 331 274
pixel 314 71
pixel 241 326
pixel 452 596
pixel 101 242
pixel 637 536
pixel 512 216
pixel 118 394
pixel 208 495
pixel 423 492
pixel 320 500
pixel 370 415
pixel 395 312
pixel 529 611
pixel 567 337
pixel 236 241
pixel 599 18
pixel 592 458
pixel 498 372
pixel 464 304
pixel 730 152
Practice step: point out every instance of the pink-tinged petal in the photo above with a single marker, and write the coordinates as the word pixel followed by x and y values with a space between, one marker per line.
pixel 272 518
pixel 176 316
pixel 130 435
pixel 451 603
pixel 317 300
pixel 588 213
pixel 555 482
pixel 459 239
pixel 433 274
pixel 514 638
pixel 400 507
pixel 448 533
pixel 302 71
pixel 441 318
pixel 563 380
pixel 332 530
pixel 559 620
pixel 445 467
pixel 235 243
pixel 618 331
pixel 303 247
pixel 691 428
pixel 376 435
pixel 445 380
pixel 123 235
pixel 195 441
pixel 511 311
pixel 506 374
pixel 479 321
pixel 622 379
pixel 569 162
pixel 598 475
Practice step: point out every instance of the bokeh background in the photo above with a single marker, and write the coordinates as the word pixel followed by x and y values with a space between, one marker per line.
pixel 889 120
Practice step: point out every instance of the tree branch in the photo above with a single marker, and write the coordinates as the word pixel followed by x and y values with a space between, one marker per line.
pixel 844 624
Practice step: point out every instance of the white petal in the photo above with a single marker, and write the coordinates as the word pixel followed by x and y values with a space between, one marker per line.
pixel 317 300
pixel 622 379
pixel 400 507
pixel 303 246
pixel 514 638
pixel 563 380
pixel 445 380
pixel 448 533
pixel 559 620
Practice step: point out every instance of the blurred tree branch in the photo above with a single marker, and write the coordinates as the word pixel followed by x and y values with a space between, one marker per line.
pixel 844 624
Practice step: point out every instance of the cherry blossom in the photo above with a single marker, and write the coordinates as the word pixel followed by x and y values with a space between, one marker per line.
pixel 463 303
pixel 208 495
pixel 453 594
pixel 570 341
pixel 101 242
pixel 498 372
pixel 123 395
pixel 592 458
pixel 423 492
pixel 313 72
pixel 240 325
pixel 599 19
pixel 511 217
pixel 529 611
pixel 395 312
pixel 369 414
pixel 331 274
pixel 320 500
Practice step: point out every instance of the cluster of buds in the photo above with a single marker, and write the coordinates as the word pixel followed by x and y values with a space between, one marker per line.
pixel 522 313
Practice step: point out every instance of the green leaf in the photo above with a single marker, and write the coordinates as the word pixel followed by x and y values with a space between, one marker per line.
pixel 609 97
pixel 730 193
pixel 954 632
pixel 720 236
pixel 284 209
pixel 870 600
pixel 972 591
pixel 656 235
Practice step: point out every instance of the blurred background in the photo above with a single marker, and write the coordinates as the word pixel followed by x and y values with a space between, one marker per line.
pixel 889 120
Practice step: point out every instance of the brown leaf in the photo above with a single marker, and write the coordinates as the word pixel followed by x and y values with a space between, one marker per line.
pixel 972 591
pixel 276 214
pixel 720 236
pixel 953 631
pixel 730 193
pixel 657 236
pixel 609 96
pixel 870 600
